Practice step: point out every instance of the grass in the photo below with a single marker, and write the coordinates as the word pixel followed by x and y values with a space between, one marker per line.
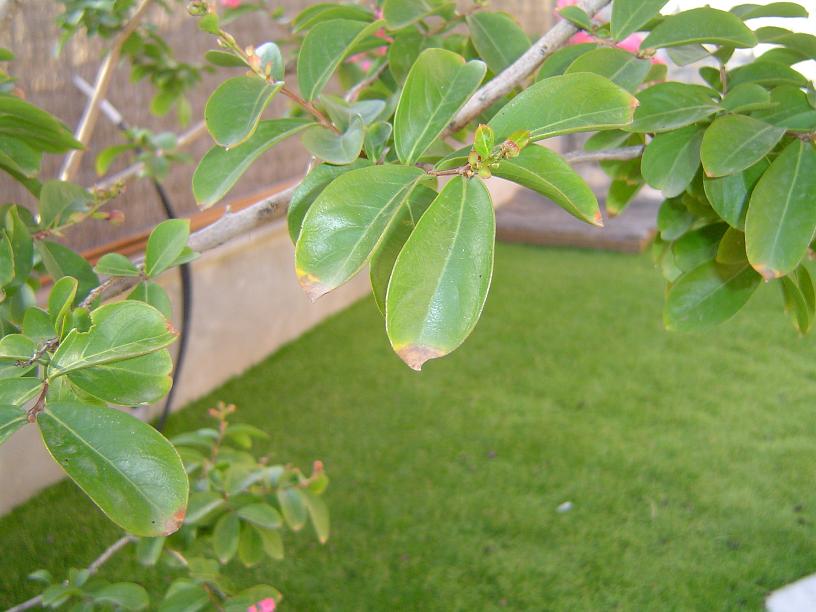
pixel 688 458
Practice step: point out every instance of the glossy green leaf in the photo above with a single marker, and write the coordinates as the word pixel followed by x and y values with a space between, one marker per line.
pixel 13 349
pixel 566 104
pixel 736 142
pixel 795 305
pixel 790 110
pixel 185 596
pixel 319 514
pixel 293 507
pixel 6 260
pixel 121 330
pixel 60 300
pixel 701 25
pixel 671 160
pixel 225 537
pixel 560 60
pixel 731 249
pixel 629 16
pixel 220 168
pixel 312 186
pixel 441 278
pixel 621 193
pixel 21 243
pixel 61 261
pixel 746 97
pixel 403 52
pixel 124 465
pixel 262 515
pixel 234 109
pixel 165 244
pixel 18 391
pixel 341 112
pixel 333 147
pixel 767 74
pixel 498 39
pixel 673 219
pixel 684 55
pixel 131 382
pixel 148 550
pixel 122 595
pixel 272 543
pixel 325 11
pixel 798 41
pixel 438 85
pixel 153 294
pixel 781 218
pixel 668 106
pixel 545 172
pixel 576 16
pixel 619 66
pixel 12 418
pixel 203 507
pixel 697 246
pixel 709 295
pixel 325 46
pixel 400 13
pixel 376 140
pixel 347 221
pixel 772 9
pixel 224 59
pixel 729 195
pixel 115 264
pixel 383 258
pixel 61 202
pixel 34 126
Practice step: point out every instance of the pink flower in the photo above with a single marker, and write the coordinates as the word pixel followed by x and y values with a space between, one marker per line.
pixel 265 605
pixel 563 3
pixel 231 3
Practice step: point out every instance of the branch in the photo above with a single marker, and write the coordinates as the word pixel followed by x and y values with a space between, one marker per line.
pixel 103 80
pixel 522 68
pixel 92 569
pixel 624 153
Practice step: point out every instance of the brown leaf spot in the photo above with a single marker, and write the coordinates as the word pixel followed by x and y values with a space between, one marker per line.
pixel 598 219
pixel 414 356
pixel 175 522
pixel 634 103
pixel 171 329
pixel 767 273
pixel 312 286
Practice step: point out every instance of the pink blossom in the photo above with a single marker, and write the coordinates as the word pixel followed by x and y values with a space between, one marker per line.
pixel 265 605
pixel 231 3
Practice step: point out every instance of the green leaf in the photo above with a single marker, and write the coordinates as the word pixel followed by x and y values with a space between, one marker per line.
pixel 61 202
pixel 621 193
pixel 250 546
pixel 795 305
pixel 789 109
pixel 732 248
pixel 376 140
pixel 403 52
pixel 688 54
pixel 153 294
pixel 121 330
pixel 772 9
pixel 124 465
pixel 220 168
pixel 781 217
pixel 576 16
pixel 734 143
pixel 115 264
pixel 325 46
pixel 37 325
pixel 346 222
pixel 148 550
pixel 18 391
pixel 498 39
pixel 22 244
pixel 319 513
pixel 61 261
pixel 341 112
pixel 671 160
pixel 483 141
pixel 564 105
pixel 401 13
pixel 701 25
pixel 225 537
pixel 709 295
pixel 312 186
pixel 225 59
pixel 619 66
pixel 383 258
pixel 37 128
pixel 729 195
pixel 629 16
pixel 440 280
pixel 767 74
pixel 293 507
pixel 131 382
pixel 203 507
pixel 560 60
pixel 272 543
pixel 124 595
pixel 325 11
pixel 108 155
pixel 262 515
pixel 673 219
pixel 438 85
pixel 333 147
pixel 545 172
pixel 668 106
pixel 165 244
pixel 697 246
pixel 185 596
pixel 746 97
pixel 12 418
pixel 62 296
pixel 234 108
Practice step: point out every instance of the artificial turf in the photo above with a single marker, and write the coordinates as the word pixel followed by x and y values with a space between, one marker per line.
pixel 688 459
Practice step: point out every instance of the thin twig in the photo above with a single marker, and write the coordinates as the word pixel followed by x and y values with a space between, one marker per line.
pixel 103 81
pixel 92 569
pixel 624 153
pixel 522 68
pixel 352 93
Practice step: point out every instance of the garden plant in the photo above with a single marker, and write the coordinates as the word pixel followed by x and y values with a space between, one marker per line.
pixel 408 108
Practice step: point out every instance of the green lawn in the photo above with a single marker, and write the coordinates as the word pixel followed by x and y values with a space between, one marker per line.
pixel 689 458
